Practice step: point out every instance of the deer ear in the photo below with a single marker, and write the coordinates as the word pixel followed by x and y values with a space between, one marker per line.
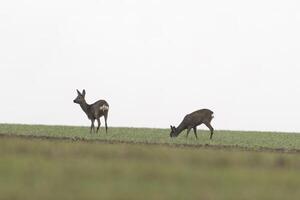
pixel 78 92
pixel 172 128
pixel 83 92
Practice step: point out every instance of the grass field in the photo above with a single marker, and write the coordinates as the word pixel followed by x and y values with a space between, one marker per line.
pixel 235 139
pixel 234 165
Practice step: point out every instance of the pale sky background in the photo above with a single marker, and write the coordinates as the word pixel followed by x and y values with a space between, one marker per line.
pixel 153 61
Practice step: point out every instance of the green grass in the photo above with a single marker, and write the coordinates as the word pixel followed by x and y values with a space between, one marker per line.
pixel 252 140
pixel 42 169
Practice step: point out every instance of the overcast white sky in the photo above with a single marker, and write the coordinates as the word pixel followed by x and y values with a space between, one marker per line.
pixel 153 61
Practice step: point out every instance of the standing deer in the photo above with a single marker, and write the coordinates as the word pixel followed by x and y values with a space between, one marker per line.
pixel 192 120
pixel 93 111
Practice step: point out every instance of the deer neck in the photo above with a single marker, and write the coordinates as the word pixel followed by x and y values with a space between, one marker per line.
pixel 180 128
pixel 86 108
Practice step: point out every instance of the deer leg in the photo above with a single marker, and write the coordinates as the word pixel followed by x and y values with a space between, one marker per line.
pixel 211 129
pixel 99 124
pixel 92 126
pixel 195 132
pixel 188 131
pixel 105 119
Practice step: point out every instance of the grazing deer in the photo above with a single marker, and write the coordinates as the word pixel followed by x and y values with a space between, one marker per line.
pixel 93 111
pixel 191 121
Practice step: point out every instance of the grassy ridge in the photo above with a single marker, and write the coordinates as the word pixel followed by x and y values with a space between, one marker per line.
pixel 253 140
pixel 41 169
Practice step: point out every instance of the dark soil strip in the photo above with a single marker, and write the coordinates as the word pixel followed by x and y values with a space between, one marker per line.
pixel 196 146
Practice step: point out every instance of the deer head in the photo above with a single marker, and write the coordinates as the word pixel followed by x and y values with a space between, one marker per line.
pixel 173 131
pixel 80 97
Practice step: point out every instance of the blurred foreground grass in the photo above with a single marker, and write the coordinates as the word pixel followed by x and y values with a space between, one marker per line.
pixel 41 169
